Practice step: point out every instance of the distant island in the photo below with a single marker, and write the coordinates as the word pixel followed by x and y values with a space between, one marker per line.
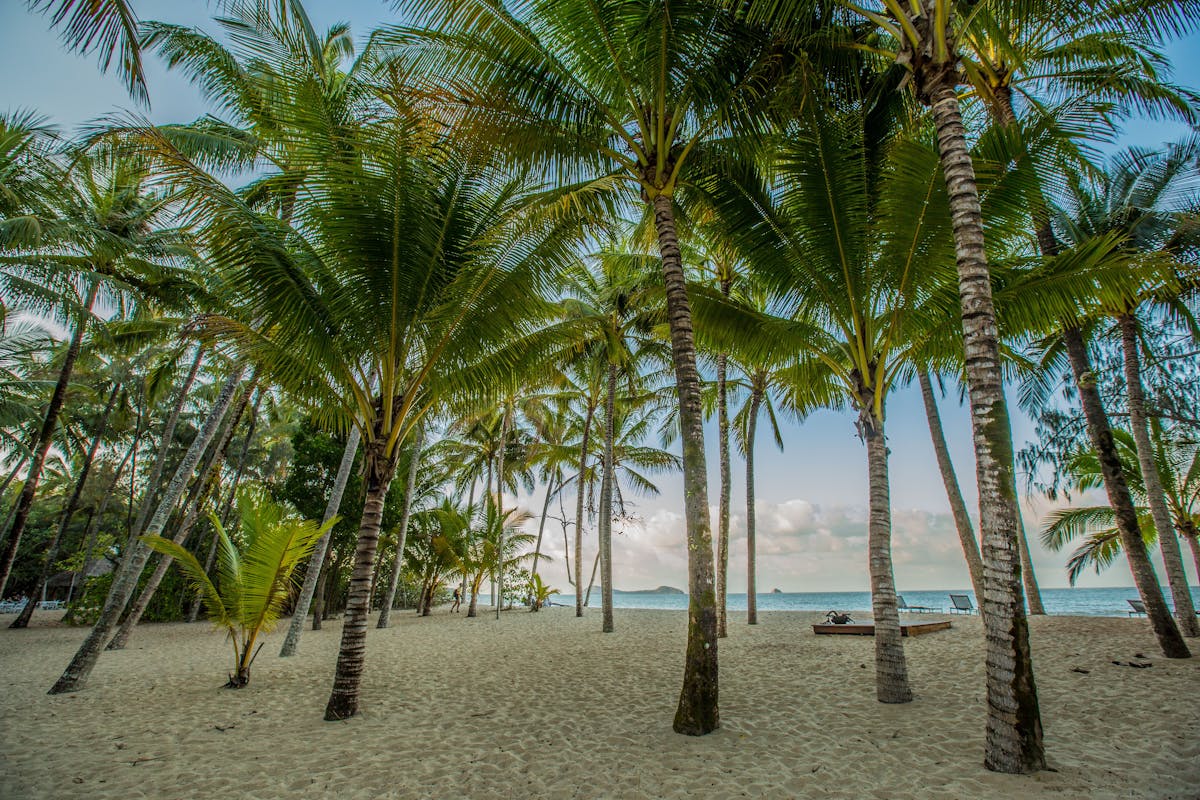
pixel 776 591
pixel 659 590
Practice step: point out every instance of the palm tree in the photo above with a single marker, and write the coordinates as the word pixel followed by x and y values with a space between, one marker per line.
pixel 255 578
pixel 611 97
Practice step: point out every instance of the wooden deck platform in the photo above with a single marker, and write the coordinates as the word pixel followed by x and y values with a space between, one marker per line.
pixel 868 628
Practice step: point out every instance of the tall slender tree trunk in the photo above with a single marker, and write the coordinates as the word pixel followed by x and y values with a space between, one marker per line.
pixel 126 579
pixel 318 602
pixel 958 506
pixel 697 712
pixel 891 669
pixel 504 423
pixel 579 489
pixel 1013 740
pixel 93 527
pixel 1033 595
pixel 164 447
pixel 1100 434
pixel 42 444
pixel 378 470
pixel 317 559
pixel 1185 611
pixel 1193 540
pixel 726 486
pixel 12 475
pixel 402 538
pixel 751 523
pixel 537 548
pixel 606 503
pixel 64 522
pixel 205 483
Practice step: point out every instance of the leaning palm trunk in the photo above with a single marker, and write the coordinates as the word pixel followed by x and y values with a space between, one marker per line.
pixel 606 503
pixel 378 470
pixel 1172 558
pixel 500 510
pixel 42 444
pixel 126 579
pixel 164 447
pixel 723 503
pixel 958 506
pixel 205 482
pixel 698 711
pixel 751 552
pixel 537 548
pixel 401 538
pixel 93 529
pixel 891 669
pixel 51 554
pixel 579 490
pixel 1033 595
pixel 317 559
pixel 1100 434
pixel 1014 727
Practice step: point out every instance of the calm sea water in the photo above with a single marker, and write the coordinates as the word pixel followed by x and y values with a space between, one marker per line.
pixel 1082 602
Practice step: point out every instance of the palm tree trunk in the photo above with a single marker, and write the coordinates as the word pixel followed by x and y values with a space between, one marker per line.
pixel 1033 595
pixel 726 481
pixel 42 444
pixel 126 579
pixel 587 596
pixel 504 423
pixel 11 477
pixel 891 669
pixel 606 503
pixel 537 549
pixel 1014 730
pixel 1100 434
pixel 378 469
pixel 1185 611
pixel 697 712
pixel 317 559
pixel 1193 540
pixel 93 527
pixel 582 480
pixel 751 524
pixel 402 537
pixel 201 491
pixel 958 506
pixel 318 601
pixel 164 447
pixel 64 522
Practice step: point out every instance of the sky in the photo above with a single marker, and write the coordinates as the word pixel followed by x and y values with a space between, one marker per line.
pixel 811 510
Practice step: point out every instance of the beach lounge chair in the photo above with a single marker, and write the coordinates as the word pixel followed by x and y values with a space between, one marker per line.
pixel 961 604
pixel 903 606
pixel 1136 607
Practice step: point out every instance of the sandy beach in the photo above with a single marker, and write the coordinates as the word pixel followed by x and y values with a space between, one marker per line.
pixel 545 706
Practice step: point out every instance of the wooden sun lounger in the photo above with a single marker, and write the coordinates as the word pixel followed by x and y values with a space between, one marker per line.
pixel 868 628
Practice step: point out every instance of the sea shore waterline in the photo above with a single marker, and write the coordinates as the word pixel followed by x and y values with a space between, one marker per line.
pixel 546 706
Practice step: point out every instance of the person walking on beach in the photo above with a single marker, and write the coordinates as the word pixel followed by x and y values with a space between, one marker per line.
pixel 457 600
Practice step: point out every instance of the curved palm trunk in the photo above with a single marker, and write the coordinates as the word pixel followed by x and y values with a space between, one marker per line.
pixel 317 560
pixel 698 712
pixel 1014 727
pixel 751 524
pixel 1188 531
pixel 1033 595
pixel 723 503
pixel 401 539
pixel 537 549
pixel 125 581
pixel 93 528
pixel 42 445
pixel 164 447
pixel 1100 434
pixel 583 448
pixel 64 522
pixel 1185 611
pixel 958 506
pixel 891 669
pixel 205 483
pixel 378 469
pixel 606 502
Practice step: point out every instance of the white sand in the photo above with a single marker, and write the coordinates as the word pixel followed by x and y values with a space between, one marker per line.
pixel 544 705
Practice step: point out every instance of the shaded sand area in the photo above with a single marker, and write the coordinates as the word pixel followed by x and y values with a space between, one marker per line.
pixel 545 706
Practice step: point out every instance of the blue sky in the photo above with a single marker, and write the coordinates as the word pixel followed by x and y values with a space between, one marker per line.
pixel 811 497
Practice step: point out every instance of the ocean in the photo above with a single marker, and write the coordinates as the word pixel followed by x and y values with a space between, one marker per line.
pixel 1109 602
